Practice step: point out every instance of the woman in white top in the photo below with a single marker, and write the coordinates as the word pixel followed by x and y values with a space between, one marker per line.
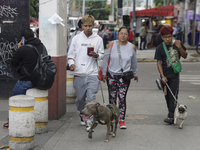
pixel 112 73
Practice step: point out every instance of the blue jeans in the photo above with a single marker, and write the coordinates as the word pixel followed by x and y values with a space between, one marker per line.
pixel 21 87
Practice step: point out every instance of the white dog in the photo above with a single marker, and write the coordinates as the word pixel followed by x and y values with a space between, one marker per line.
pixel 180 113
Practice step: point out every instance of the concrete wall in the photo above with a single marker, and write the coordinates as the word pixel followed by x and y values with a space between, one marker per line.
pixel 54 38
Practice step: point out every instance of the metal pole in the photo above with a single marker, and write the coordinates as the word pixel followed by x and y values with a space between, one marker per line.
pixel 186 21
pixel 83 8
pixel 112 8
pixel 133 21
pixel 194 24
pixel 119 13
pixel 79 8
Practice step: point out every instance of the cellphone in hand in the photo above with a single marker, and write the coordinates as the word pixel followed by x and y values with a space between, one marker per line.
pixel 23 41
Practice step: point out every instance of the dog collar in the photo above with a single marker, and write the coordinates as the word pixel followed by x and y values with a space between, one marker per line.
pixel 103 114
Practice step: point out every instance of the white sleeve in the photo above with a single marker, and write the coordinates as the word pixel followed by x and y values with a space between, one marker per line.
pixel 72 53
pixel 100 50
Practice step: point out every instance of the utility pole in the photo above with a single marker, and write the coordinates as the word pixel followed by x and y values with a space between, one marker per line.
pixel 194 24
pixel 83 10
pixel 186 22
pixel 181 13
pixel 146 4
pixel 119 13
pixel 133 22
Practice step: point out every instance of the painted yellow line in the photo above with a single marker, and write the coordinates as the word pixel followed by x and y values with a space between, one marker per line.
pixel 70 98
pixel 20 140
pixel 70 79
pixel 41 99
pixel 41 124
pixel 21 109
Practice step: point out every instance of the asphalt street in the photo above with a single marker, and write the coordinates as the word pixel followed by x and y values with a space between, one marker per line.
pixel 146 110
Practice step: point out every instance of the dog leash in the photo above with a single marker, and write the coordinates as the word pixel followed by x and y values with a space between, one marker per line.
pixel 171 91
pixel 101 89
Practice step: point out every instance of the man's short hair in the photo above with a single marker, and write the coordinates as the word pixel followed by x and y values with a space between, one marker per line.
pixel 178 23
pixel 165 30
pixel 80 23
pixel 27 33
pixel 88 19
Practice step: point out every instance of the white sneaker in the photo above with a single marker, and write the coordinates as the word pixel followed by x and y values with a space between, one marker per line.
pixel 159 84
pixel 88 125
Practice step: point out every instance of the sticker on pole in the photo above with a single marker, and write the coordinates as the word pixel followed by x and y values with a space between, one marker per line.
pixel 56 19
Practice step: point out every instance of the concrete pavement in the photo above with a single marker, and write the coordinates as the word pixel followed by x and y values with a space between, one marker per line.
pixel 146 130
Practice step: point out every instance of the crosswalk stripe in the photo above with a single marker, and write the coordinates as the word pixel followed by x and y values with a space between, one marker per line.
pixel 192 79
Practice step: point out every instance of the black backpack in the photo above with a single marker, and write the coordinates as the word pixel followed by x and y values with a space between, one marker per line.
pixel 42 77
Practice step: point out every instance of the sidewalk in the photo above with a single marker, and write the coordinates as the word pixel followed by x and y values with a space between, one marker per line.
pixel 144 125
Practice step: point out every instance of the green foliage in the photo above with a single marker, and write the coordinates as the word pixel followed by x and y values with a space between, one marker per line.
pixel 138 3
pixel 34 9
pixel 99 9
pixel 99 14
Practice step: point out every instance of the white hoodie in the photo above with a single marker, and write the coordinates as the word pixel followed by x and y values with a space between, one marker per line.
pixel 77 54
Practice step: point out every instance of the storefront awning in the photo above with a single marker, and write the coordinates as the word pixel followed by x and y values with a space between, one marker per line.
pixel 158 11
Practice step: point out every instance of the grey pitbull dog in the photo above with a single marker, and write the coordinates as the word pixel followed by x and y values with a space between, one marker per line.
pixel 103 115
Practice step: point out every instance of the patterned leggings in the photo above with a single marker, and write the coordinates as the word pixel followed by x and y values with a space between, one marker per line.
pixel 118 86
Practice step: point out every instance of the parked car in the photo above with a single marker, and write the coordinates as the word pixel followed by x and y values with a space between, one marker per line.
pixel 110 26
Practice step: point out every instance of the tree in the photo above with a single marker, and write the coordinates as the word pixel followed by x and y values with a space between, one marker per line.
pixel 138 3
pixel 99 9
pixel 34 8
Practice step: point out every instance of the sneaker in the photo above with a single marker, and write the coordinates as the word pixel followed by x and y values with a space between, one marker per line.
pixel 122 124
pixel 169 120
pixel 88 125
pixel 158 84
pixel 82 122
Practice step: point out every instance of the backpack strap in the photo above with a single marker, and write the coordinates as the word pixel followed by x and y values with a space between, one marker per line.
pixel 165 48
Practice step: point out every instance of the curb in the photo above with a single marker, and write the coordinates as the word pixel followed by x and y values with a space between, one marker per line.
pixel 191 60
pixel 151 60
pixel 145 60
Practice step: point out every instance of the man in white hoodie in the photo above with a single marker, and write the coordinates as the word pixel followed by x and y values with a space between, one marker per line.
pixel 84 65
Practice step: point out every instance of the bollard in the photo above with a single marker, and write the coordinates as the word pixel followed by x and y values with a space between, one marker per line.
pixel 41 109
pixel 70 91
pixel 21 122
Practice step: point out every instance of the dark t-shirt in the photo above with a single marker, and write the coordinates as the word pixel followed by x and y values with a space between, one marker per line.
pixel 174 55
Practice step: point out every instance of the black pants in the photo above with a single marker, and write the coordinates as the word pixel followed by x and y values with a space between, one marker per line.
pixel 105 41
pixel 171 103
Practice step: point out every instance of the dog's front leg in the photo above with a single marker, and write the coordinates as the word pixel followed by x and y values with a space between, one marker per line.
pixel 181 125
pixel 175 120
pixel 90 131
pixel 108 131
pixel 115 130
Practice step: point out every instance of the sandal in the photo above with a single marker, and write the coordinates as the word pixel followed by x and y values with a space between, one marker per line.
pixel 6 125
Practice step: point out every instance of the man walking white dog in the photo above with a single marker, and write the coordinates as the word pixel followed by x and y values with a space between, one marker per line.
pixel 86 48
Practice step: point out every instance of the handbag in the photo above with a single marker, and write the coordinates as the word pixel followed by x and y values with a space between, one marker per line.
pixel 177 68
pixel 100 74
pixel 125 75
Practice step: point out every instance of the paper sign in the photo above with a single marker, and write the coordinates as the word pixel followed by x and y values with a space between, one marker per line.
pixel 56 19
